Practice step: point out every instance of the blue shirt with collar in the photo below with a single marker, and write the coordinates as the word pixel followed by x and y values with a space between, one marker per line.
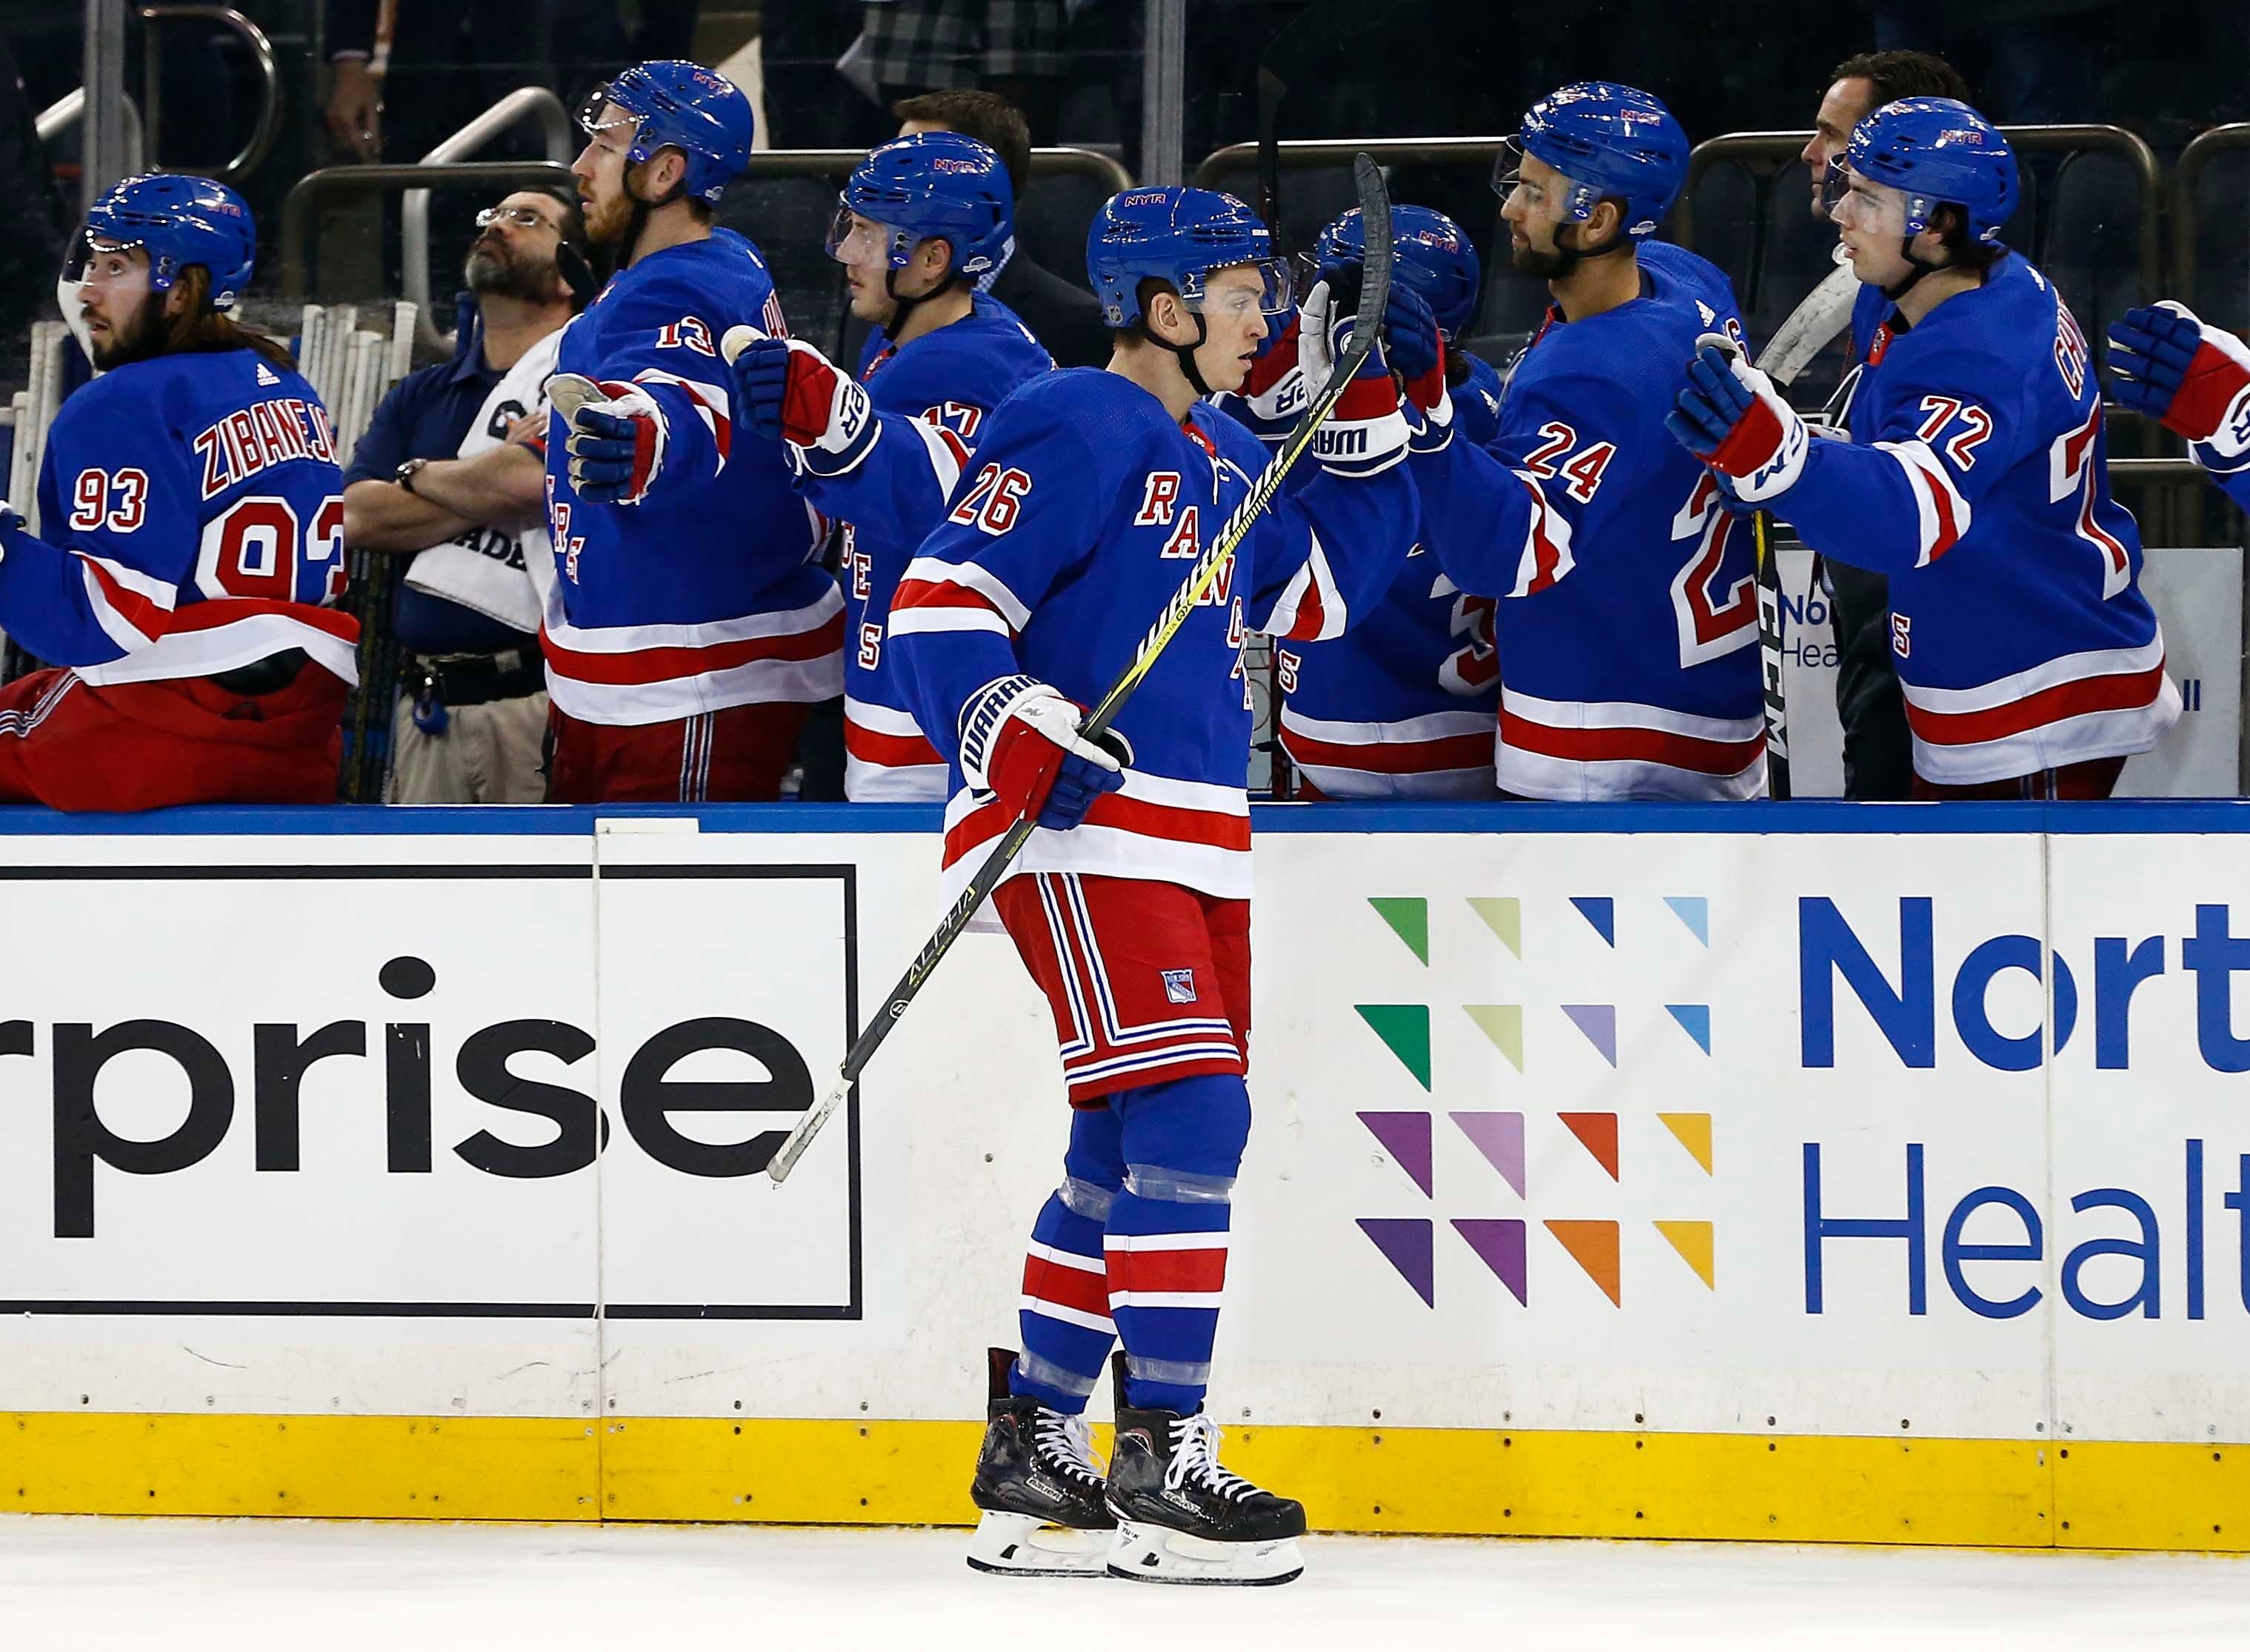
pixel 426 415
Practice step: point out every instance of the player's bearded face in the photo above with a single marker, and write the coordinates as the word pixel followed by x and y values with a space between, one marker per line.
pixel 124 319
pixel 600 170
pixel 1539 237
pixel 508 260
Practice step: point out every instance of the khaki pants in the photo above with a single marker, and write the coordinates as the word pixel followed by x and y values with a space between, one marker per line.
pixel 489 753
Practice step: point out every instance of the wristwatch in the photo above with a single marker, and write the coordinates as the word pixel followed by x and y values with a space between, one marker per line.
pixel 405 474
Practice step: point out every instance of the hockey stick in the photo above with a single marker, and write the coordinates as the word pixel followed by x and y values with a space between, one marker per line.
pixel 1824 312
pixel 1374 294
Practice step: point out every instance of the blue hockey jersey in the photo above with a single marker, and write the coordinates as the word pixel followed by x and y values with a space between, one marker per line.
pixel 193 521
pixel 705 594
pixel 1088 507
pixel 1405 704
pixel 1977 477
pixel 931 397
pixel 1638 677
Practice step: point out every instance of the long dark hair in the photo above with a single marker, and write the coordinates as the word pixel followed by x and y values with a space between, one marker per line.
pixel 199 328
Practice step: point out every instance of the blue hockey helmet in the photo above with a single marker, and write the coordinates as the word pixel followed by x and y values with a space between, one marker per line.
pixel 681 106
pixel 1434 257
pixel 1936 151
pixel 1611 142
pixel 933 185
pixel 1178 235
pixel 178 221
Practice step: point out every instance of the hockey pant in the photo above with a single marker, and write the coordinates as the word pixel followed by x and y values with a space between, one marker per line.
pixel 739 754
pixel 71 744
pixel 1149 987
pixel 2089 781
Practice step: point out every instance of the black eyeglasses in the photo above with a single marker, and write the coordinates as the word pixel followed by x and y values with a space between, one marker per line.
pixel 523 217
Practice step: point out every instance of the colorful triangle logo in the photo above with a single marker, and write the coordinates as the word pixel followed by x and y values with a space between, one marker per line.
pixel 1405 1137
pixel 1597 1134
pixel 1500 1246
pixel 1600 911
pixel 1405 1030
pixel 1692 1241
pixel 1694 911
pixel 1409 918
pixel 1503 916
pixel 1598 1023
pixel 1692 1132
pixel 1696 1020
pixel 1593 1246
pixel 1499 1136
pixel 1408 1245
pixel 1503 1024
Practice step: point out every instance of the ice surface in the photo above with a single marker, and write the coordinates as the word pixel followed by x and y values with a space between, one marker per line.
pixel 245 1585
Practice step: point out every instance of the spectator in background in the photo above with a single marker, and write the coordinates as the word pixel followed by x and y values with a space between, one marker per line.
pixel 31 252
pixel 435 477
pixel 1878 749
pixel 1013 48
pixel 1064 316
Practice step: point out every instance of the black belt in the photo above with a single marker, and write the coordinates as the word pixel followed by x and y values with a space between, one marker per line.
pixel 269 675
pixel 474 680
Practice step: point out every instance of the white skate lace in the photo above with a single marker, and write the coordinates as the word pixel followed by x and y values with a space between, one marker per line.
pixel 1197 1453
pixel 1067 1443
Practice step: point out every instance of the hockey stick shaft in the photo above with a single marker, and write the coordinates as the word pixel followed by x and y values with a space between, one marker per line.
pixel 1374 294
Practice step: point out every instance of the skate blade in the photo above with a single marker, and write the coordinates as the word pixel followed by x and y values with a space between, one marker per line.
pixel 1154 1554
pixel 1018 1545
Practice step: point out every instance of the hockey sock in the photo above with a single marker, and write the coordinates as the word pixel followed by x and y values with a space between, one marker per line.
pixel 1066 1326
pixel 1167 1235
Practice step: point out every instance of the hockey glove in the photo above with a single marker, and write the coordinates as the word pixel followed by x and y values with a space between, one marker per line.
pixel 1019 741
pixel 2165 363
pixel 1275 390
pixel 1729 416
pixel 793 393
pixel 1365 433
pixel 617 438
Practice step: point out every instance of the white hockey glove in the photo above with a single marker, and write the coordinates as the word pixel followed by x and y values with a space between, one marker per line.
pixel 1366 432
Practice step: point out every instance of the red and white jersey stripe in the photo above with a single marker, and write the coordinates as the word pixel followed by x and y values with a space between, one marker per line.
pixel 1595 750
pixel 1440 754
pixel 163 641
pixel 1942 515
pixel 1186 832
pixel 710 402
pixel 935 596
pixel 1165 1271
pixel 636 674
pixel 887 758
pixel 2105 703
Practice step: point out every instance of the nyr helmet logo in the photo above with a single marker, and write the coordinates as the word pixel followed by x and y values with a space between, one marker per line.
pixel 955 163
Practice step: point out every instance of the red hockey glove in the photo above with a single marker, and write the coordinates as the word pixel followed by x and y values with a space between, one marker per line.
pixel 1019 741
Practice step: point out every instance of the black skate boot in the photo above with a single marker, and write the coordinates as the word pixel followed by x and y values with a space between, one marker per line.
pixel 1040 1492
pixel 1182 1518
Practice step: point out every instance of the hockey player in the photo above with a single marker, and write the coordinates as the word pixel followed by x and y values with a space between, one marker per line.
pixel 1406 704
pixel 1976 476
pixel 687 632
pixel 1094 492
pixel 1640 677
pixel 918 222
pixel 2166 362
pixel 193 534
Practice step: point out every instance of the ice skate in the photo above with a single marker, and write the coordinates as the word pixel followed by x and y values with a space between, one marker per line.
pixel 1182 1518
pixel 1039 1490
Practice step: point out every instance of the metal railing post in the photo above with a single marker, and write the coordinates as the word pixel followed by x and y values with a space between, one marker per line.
pixel 525 102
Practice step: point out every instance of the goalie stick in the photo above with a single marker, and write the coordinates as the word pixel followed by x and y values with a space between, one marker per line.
pixel 1374 294
pixel 1825 312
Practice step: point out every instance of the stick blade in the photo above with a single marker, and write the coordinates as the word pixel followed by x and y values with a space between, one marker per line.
pixel 793 1146
pixel 568 392
pixel 1377 252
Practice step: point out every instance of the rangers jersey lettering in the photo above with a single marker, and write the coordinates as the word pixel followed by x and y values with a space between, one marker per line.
pixel 1638 678
pixel 931 397
pixel 194 522
pixel 1977 477
pixel 1062 548
pixel 704 595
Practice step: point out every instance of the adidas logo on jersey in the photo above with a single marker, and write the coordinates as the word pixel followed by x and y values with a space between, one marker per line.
pixel 267 375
